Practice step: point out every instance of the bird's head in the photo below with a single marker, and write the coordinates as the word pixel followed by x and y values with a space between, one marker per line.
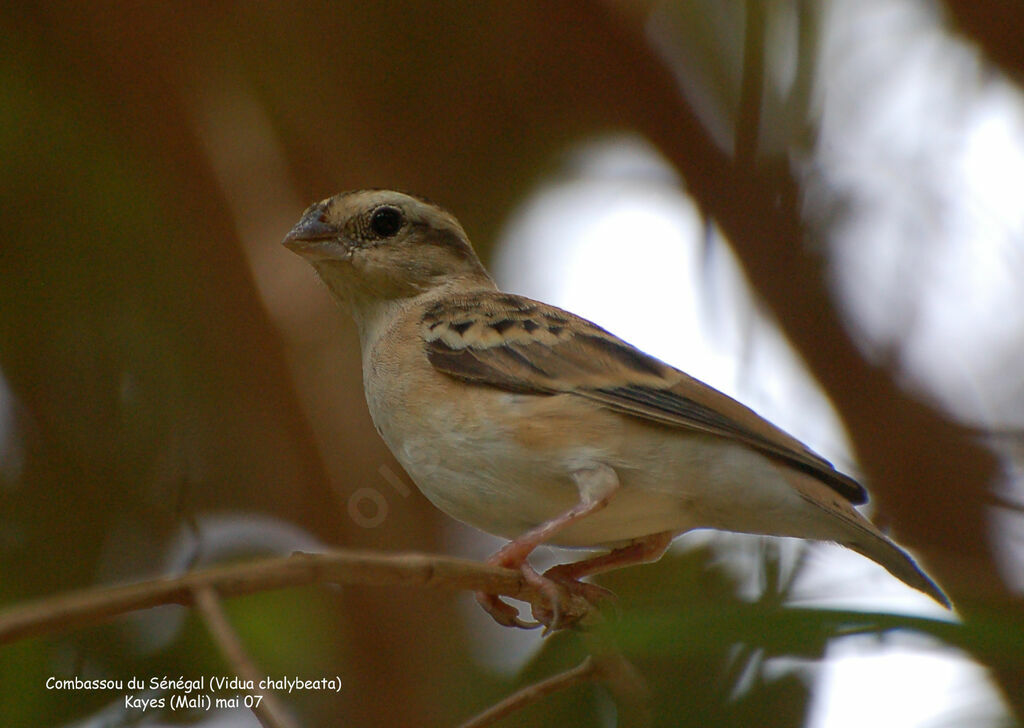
pixel 376 246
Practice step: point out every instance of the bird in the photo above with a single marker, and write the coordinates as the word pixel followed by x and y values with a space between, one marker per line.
pixel 538 426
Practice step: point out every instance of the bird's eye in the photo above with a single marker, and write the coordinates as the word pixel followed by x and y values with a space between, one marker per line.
pixel 386 221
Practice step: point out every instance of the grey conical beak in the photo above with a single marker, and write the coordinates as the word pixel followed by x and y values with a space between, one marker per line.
pixel 311 230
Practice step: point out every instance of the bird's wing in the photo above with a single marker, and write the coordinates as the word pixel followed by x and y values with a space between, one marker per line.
pixel 521 345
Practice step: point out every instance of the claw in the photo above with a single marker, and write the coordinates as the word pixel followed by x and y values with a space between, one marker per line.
pixel 554 610
pixel 563 599
pixel 551 592
pixel 576 599
pixel 502 612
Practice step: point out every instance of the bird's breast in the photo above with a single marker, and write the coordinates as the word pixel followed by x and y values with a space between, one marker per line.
pixel 474 452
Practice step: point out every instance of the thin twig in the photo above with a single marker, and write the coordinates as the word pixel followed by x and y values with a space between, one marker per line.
pixel 586 671
pixel 78 609
pixel 627 685
pixel 748 116
pixel 270 712
pixel 1005 502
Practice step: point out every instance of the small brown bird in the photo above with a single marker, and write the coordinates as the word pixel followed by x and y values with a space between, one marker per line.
pixel 534 424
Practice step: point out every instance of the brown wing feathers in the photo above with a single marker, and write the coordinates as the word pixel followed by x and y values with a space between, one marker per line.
pixel 522 345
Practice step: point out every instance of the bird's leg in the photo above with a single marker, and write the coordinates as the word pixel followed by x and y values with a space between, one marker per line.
pixel 638 551
pixel 596 486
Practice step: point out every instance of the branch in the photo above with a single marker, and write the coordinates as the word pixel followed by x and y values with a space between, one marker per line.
pixel 996 26
pixel 586 671
pixel 605 664
pixel 79 609
pixel 204 588
pixel 628 687
pixel 269 711
pixel 748 118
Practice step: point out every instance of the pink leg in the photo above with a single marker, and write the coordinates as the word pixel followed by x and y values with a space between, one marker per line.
pixel 596 486
pixel 641 550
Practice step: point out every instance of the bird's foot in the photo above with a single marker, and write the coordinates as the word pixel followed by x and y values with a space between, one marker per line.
pixel 575 600
pixel 561 601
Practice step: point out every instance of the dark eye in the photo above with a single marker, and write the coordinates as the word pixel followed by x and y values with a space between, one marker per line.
pixel 386 221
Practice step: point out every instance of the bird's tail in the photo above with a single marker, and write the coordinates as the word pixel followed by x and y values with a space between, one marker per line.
pixel 859 534
pixel 899 563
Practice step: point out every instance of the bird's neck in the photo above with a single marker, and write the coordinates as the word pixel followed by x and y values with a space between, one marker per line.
pixel 375 316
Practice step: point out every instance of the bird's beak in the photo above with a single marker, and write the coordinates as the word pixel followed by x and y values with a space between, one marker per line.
pixel 313 235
